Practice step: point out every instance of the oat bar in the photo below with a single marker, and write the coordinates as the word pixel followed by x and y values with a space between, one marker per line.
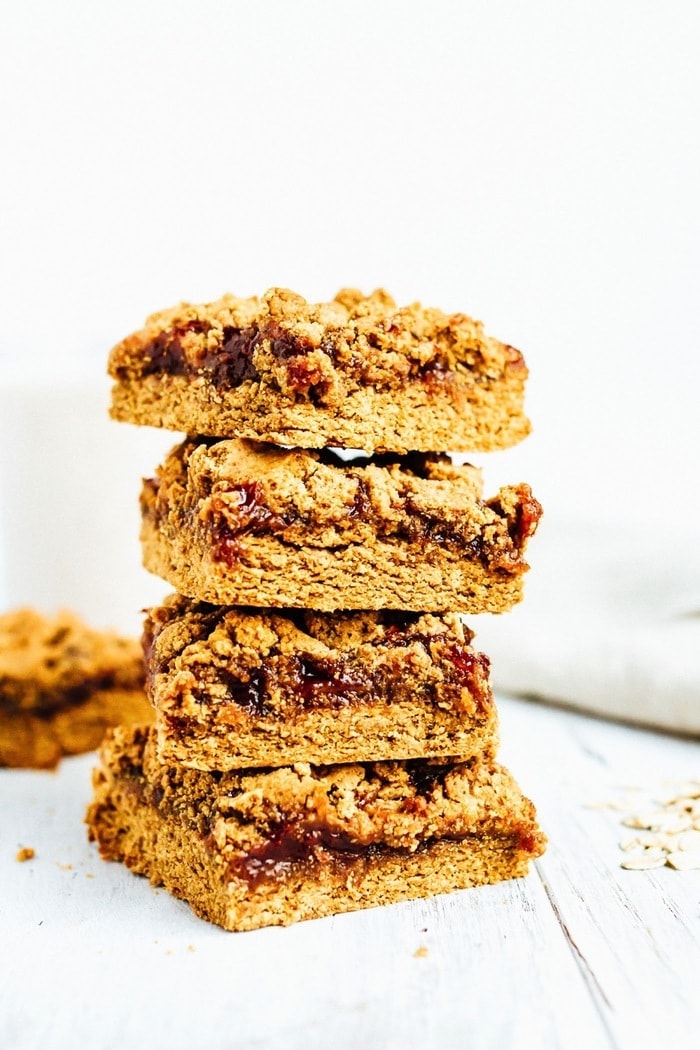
pixel 357 372
pixel 236 687
pixel 250 849
pixel 62 684
pixel 236 522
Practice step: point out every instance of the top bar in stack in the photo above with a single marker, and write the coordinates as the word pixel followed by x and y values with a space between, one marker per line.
pixel 358 372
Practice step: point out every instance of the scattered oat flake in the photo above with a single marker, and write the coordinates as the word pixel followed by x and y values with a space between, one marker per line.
pixel 420 953
pixel 689 840
pixel 648 821
pixel 26 853
pixel 676 825
pixel 645 860
pixel 667 824
pixel 684 859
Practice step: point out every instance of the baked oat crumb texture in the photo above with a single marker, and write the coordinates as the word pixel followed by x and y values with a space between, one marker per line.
pixel 62 684
pixel 271 847
pixel 235 687
pixel 240 522
pixel 356 372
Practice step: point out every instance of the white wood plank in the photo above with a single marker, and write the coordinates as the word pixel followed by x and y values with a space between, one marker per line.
pixel 636 935
pixel 92 955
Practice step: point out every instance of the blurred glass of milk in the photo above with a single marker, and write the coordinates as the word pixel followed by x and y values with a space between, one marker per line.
pixel 70 479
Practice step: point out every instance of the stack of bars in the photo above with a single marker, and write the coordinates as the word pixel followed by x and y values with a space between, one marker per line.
pixel 325 733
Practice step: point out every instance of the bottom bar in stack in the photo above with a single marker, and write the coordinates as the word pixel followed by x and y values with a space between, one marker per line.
pixel 252 848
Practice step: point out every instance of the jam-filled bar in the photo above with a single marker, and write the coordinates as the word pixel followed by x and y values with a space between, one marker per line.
pixel 235 687
pixel 358 372
pixel 256 848
pixel 237 522
pixel 62 684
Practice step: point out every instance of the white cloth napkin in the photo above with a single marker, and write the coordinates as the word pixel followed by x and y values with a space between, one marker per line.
pixel 610 623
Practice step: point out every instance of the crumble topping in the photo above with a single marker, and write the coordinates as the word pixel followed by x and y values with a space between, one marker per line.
pixel 320 352
pixel 49 662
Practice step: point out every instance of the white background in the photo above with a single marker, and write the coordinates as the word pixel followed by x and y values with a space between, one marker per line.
pixel 534 164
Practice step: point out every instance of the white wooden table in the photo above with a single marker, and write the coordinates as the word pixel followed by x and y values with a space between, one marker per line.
pixel 580 954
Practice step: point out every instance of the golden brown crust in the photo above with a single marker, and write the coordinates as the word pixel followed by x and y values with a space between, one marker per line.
pixel 239 687
pixel 357 372
pixel 50 661
pixel 29 740
pixel 62 684
pixel 237 522
pixel 248 849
